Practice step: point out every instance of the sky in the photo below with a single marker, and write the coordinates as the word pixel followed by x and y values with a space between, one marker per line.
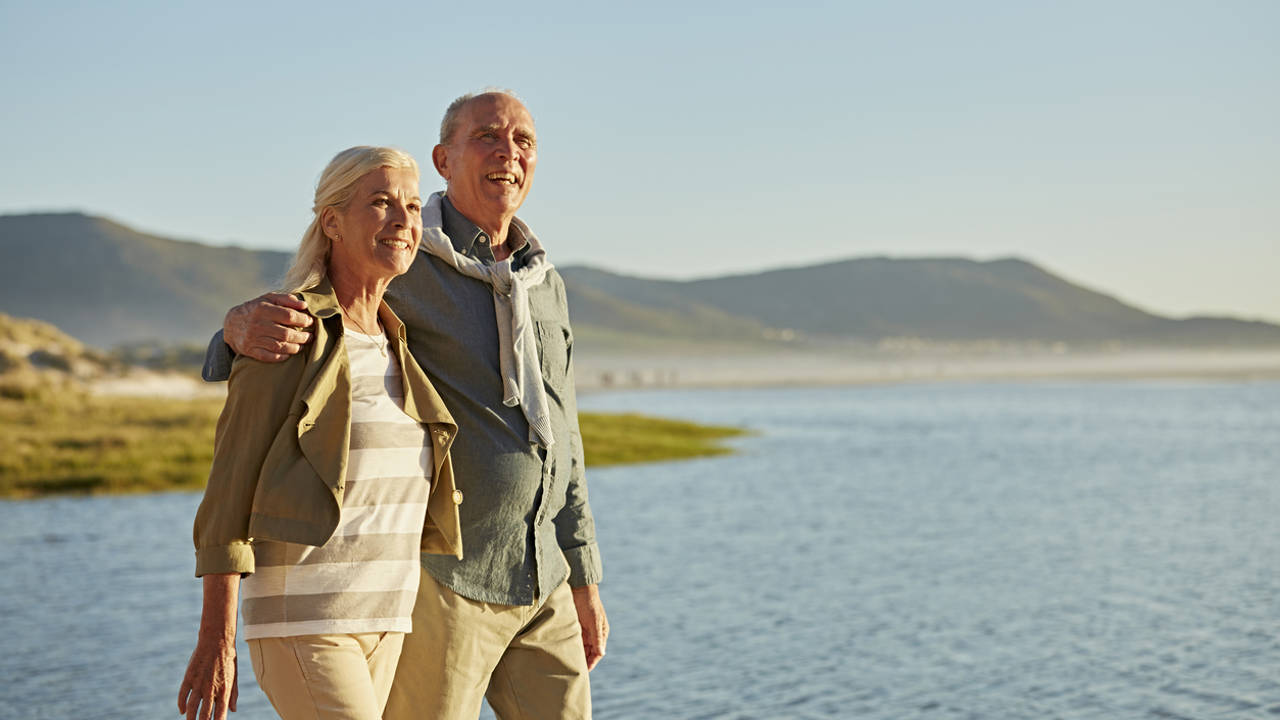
pixel 1130 146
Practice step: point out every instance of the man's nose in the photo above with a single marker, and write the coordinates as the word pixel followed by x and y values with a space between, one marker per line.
pixel 507 148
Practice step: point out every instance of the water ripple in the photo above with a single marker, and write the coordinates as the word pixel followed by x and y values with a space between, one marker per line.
pixel 934 552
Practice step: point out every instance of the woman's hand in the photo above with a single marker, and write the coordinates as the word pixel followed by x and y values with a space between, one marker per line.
pixel 210 687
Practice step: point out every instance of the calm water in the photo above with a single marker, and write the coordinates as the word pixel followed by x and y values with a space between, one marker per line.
pixel 941 551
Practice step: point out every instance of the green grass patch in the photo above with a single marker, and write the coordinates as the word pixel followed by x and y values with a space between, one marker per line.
pixel 68 442
pixel 618 439
pixel 77 443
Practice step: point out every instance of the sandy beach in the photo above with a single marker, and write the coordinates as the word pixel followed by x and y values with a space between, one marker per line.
pixel 639 370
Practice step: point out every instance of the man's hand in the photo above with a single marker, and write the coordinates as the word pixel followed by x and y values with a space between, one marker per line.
pixel 268 328
pixel 595 626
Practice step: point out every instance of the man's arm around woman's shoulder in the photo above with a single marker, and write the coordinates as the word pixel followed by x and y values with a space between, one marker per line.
pixel 269 328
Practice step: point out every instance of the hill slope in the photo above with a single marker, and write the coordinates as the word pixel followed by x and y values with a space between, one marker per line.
pixel 109 285
pixel 945 299
pixel 32 351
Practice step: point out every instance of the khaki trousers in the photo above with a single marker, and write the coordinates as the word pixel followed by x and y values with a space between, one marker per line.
pixel 318 677
pixel 528 661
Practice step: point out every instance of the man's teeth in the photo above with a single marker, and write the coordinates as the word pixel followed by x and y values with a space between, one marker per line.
pixel 504 177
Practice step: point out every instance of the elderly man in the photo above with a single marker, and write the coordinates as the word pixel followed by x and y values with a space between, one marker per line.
pixel 519 618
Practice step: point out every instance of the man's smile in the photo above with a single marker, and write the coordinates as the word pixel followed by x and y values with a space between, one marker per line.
pixel 502 178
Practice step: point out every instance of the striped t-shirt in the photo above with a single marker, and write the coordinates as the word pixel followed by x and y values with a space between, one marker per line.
pixel 365 578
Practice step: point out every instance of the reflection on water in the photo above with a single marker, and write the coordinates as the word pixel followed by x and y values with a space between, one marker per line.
pixel 937 551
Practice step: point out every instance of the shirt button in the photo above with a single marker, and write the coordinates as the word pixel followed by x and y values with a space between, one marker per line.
pixel 457 497
pixel 443 438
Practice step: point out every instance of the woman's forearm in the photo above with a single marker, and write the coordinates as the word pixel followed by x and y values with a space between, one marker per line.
pixel 210 681
pixel 218 618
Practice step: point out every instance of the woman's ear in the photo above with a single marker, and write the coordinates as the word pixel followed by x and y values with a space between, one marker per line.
pixel 331 224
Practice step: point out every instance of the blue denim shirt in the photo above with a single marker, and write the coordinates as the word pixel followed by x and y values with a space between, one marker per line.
pixel 526 523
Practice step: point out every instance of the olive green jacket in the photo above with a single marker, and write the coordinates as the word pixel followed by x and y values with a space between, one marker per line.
pixel 280 452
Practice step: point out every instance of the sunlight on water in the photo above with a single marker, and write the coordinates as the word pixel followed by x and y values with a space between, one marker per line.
pixel 933 551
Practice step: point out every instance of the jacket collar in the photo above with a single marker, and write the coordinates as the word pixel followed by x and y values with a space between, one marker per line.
pixel 323 304
pixel 320 300
pixel 424 405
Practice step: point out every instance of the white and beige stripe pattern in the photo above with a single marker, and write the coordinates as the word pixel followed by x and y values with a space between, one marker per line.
pixel 365 578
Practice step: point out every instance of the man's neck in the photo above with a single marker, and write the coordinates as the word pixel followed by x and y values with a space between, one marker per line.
pixel 501 250
pixel 497 233
pixel 501 239
pixel 495 228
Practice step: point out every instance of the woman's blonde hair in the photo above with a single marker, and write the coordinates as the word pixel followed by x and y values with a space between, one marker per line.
pixel 333 189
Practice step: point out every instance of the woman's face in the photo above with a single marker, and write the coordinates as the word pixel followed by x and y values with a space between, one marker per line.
pixel 376 234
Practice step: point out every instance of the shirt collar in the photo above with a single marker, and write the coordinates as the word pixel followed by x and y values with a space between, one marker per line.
pixel 468 239
pixel 461 232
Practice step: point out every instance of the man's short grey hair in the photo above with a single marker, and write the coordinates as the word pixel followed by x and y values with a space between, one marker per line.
pixel 449 125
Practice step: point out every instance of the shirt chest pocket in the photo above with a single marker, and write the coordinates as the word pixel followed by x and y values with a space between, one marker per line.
pixel 555 348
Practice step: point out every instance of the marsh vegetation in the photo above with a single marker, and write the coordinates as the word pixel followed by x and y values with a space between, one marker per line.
pixel 61 440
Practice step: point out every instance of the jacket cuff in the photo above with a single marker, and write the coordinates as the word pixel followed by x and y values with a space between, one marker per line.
pixel 221 559
pixel 584 565
pixel 217 360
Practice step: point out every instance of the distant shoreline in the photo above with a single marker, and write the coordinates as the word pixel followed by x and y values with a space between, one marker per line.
pixel 638 371
pixel 613 371
pixel 145 432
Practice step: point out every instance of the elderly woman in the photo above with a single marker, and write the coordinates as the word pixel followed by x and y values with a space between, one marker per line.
pixel 330 472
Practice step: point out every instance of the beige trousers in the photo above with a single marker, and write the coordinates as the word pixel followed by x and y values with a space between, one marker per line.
pixel 319 677
pixel 528 661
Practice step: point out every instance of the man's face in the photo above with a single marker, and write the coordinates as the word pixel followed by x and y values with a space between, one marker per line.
pixel 489 161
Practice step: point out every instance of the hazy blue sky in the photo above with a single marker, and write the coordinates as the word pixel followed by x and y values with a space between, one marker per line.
pixel 1130 146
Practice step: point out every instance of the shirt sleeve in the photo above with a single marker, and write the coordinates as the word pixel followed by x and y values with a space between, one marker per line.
pixel 217 360
pixel 575 527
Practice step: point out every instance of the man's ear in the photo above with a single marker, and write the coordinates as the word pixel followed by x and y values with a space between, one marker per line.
pixel 440 158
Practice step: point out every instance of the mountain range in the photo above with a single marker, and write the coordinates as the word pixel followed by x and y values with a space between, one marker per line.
pixel 109 285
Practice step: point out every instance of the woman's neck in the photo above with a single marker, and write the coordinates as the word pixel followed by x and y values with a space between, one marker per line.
pixel 359 299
